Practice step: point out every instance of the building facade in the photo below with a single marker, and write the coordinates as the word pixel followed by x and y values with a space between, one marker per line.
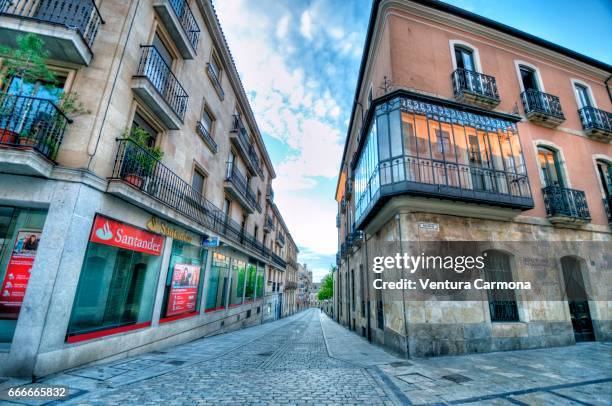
pixel 141 222
pixel 304 286
pixel 464 129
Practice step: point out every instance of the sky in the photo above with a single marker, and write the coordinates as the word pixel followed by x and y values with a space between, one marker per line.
pixel 299 60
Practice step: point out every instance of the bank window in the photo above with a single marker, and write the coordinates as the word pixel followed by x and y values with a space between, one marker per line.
pixel 183 290
pixel 118 281
pixel 502 302
pixel 237 282
pixel 218 279
pixel 251 280
pixel 20 236
pixel 259 283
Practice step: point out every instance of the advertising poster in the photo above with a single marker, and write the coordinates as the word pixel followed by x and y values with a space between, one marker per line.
pixel 18 273
pixel 184 289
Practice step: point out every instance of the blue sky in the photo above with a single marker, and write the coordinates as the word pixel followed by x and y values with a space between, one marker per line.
pixel 299 60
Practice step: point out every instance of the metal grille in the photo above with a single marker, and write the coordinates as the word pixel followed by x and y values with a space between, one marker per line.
pixel 566 202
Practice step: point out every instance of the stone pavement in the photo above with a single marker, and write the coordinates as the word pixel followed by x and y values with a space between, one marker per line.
pixel 309 359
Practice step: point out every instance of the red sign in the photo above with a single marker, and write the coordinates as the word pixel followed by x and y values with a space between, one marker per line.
pixel 116 234
pixel 184 289
pixel 18 273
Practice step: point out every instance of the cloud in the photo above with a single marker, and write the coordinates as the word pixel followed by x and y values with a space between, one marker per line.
pixel 282 27
pixel 306 25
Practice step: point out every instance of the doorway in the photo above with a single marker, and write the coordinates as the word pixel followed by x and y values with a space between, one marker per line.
pixel 577 299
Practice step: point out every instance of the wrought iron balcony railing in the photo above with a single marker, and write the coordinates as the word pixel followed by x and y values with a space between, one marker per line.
pixel 153 67
pixel 475 86
pixel 206 136
pixel 566 203
pixel 215 80
pixel 247 146
pixel 187 20
pixel 280 238
pixel 137 167
pixel 269 224
pixel 241 184
pixel 596 122
pixel 270 194
pixel 542 106
pixel 81 16
pixel 278 261
pixel 33 123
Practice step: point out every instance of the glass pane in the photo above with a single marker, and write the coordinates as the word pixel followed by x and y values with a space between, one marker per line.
pixel 185 279
pixel 198 182
pixel 238 280
pixel 217 282
pixel 162 50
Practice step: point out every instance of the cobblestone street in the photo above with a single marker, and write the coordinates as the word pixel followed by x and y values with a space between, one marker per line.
pixel 309 359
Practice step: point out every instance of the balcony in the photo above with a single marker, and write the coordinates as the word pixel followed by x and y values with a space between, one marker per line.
pixel 338 220
pixel 164 193
pixel 181 25
pixel 237 186
pixel 67 27
pixel 566 206
pixel 206 137
pixel 280 239
pixel 597 123
pixel 214 78
pixel 542 108
pixel 31 132
pixel 159 89
pixel 269 224
pixel 278 261
pixel 338 260
pixel 240 138
pixel 356 238
pixel 348 189
pixel 270 194
pixel 475 88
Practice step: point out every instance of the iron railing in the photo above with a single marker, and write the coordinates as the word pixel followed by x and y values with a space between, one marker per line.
pixel 187 20
pixel 542 103
pixel 566 202
pixel 595 119
pixel 503 310
pixel 278 261
pixel 269 223
pixel 280 238
pixel 236 178
pixel 206 136
pixel 243 137
pixel 137 167
pixel 81 16
pixel 338 220
pixel 476 83
pixel 607 203
pixel 215 79
pixel 270 193
pixel 153 68
pixel 31 122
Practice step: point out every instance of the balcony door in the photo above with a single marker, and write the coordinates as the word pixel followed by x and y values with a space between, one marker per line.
pixel 529 79
pixel 584 97
pixel 550 167
pixel 464 57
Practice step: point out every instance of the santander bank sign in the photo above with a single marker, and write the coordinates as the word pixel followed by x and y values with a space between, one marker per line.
pixel 111 232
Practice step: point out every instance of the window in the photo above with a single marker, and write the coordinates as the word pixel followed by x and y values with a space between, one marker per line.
pixel 604 170
pixel 259 197
pixel 583 95
pixel 231 159
pixel 237 282
pixel 199 181
pixel 163 51
pixel 139 122
pixel 20 235
pixel 380 315
pixel 185 278
pixel 352 289
pixel 364 294
pixel 217 282
pixel 528 77
pixel 464 58
pixel 251 272
pixel 118 281
pixel 255 232
pixel 550 167
pixel 207 121
pixel 502 302
pixel 444 144
pixel 215 67
pixel 226 208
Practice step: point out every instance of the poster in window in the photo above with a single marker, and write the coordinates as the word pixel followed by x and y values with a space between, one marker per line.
pixel 184 289
pixel 18 273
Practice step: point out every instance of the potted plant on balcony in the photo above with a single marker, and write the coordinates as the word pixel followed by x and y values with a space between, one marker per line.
pixel 140 159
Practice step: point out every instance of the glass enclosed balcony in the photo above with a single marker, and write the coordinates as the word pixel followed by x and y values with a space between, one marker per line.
pixel 422 149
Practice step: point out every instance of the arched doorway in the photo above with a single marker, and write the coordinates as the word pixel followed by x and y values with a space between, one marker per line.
pixel 577 299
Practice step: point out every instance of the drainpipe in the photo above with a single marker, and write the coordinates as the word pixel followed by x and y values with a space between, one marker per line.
pixel 398 218
pixel 367 278
pixel 606 82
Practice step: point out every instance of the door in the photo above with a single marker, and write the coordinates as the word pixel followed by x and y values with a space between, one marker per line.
pixel 550 168
pixel 465 60
pixel 577 300
pixel 584 98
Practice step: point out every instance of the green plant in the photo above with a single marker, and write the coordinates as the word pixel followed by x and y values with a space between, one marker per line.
pixel 27 61
pixel 148 156
pixel 70 104
pixel 326 291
